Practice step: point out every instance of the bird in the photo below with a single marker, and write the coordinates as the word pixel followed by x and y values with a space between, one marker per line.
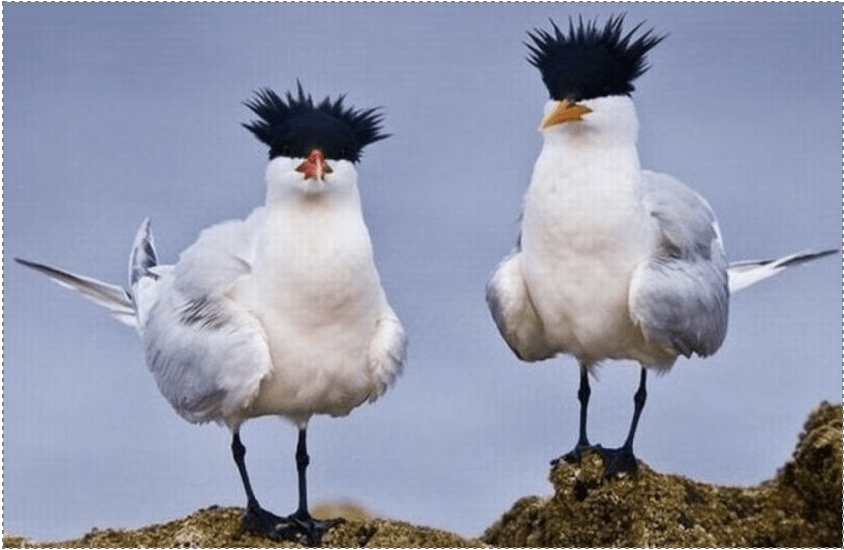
pixel 612 262
pixel 281 313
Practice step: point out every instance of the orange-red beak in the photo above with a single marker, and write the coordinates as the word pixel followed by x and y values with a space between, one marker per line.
pixel 315 166
pixel 564 111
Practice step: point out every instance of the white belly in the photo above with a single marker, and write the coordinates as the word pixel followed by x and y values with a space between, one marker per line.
pixel 317 294
pixel 579 254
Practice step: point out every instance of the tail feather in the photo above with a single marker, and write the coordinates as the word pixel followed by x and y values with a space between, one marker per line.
pixel 112 297
pixel 749 272
pixel 144 273
pixel 143 259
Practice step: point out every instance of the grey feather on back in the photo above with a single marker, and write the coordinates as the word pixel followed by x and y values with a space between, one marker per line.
pixel 207 355
pixel 205 312
pixel 680 298
pixel 194 398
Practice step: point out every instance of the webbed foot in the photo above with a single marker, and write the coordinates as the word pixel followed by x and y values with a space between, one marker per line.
pixel 618 461
pixel 295 527
pixel 574 455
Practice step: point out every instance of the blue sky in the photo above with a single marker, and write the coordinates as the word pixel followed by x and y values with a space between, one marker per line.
pixel 115 112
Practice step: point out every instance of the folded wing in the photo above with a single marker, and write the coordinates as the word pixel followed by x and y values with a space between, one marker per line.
pixel 207 352
pixel 679 298
pixel 513 311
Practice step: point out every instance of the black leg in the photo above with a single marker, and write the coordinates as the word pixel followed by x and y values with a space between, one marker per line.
pixel 299 525
pixel 255 518
pixel 583 393
pixel 308 526
pixel 622 459
pixel 239 452
pixel 639 404
pixel 302 461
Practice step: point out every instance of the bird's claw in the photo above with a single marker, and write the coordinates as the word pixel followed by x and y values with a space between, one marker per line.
pixel 574 455
pixel 618 461
pixel 313 529
pixel 257 519
pixel 296 527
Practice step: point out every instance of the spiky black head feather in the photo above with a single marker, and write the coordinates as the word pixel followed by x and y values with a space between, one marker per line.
pixel 590 62
pixel 295 127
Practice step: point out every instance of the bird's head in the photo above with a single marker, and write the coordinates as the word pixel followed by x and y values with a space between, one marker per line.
pixel 312 147
pixel 587 64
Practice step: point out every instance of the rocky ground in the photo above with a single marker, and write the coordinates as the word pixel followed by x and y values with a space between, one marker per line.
pixel 800 507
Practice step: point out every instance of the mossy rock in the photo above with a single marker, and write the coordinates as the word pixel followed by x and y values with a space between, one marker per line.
pixel 801 506
pixel 217 527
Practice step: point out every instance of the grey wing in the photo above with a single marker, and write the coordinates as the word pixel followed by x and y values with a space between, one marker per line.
pixel 680 296
pixel 208 353
pixel 513 312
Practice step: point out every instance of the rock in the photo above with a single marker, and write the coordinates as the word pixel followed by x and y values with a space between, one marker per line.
pixel 801 506
pixel 815 474
pixel 217 527
pixel 397 534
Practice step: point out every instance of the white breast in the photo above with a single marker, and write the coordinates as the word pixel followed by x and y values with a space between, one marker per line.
pixel 584 231
pixel 316 291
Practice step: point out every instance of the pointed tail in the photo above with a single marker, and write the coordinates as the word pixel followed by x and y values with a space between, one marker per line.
pixel 112 297
pixel 121 303
pixel 749 272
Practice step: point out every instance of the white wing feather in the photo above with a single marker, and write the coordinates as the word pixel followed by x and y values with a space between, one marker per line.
pixel 513 311
pixel 387 350
pixel 208 354
pixel 206 351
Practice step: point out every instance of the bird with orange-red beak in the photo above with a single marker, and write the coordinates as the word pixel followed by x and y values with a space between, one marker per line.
pixel 280 314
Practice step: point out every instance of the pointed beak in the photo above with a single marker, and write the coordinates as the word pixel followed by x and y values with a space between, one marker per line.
pixel 564 111
pixel 315 166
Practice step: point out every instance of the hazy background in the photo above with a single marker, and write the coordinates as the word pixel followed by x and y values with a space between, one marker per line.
pixel 114 112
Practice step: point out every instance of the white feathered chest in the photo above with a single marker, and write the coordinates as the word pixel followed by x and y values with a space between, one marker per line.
pixel 314 269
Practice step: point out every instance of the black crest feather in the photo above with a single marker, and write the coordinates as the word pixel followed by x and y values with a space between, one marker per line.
pixel 294 126
pixel 590 62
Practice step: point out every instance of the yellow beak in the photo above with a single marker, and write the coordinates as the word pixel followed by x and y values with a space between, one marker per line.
pixel 564 111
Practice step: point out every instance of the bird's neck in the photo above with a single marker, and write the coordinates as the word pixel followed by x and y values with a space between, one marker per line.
pixel 326 201
pixel 584 198
pixel 594 170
